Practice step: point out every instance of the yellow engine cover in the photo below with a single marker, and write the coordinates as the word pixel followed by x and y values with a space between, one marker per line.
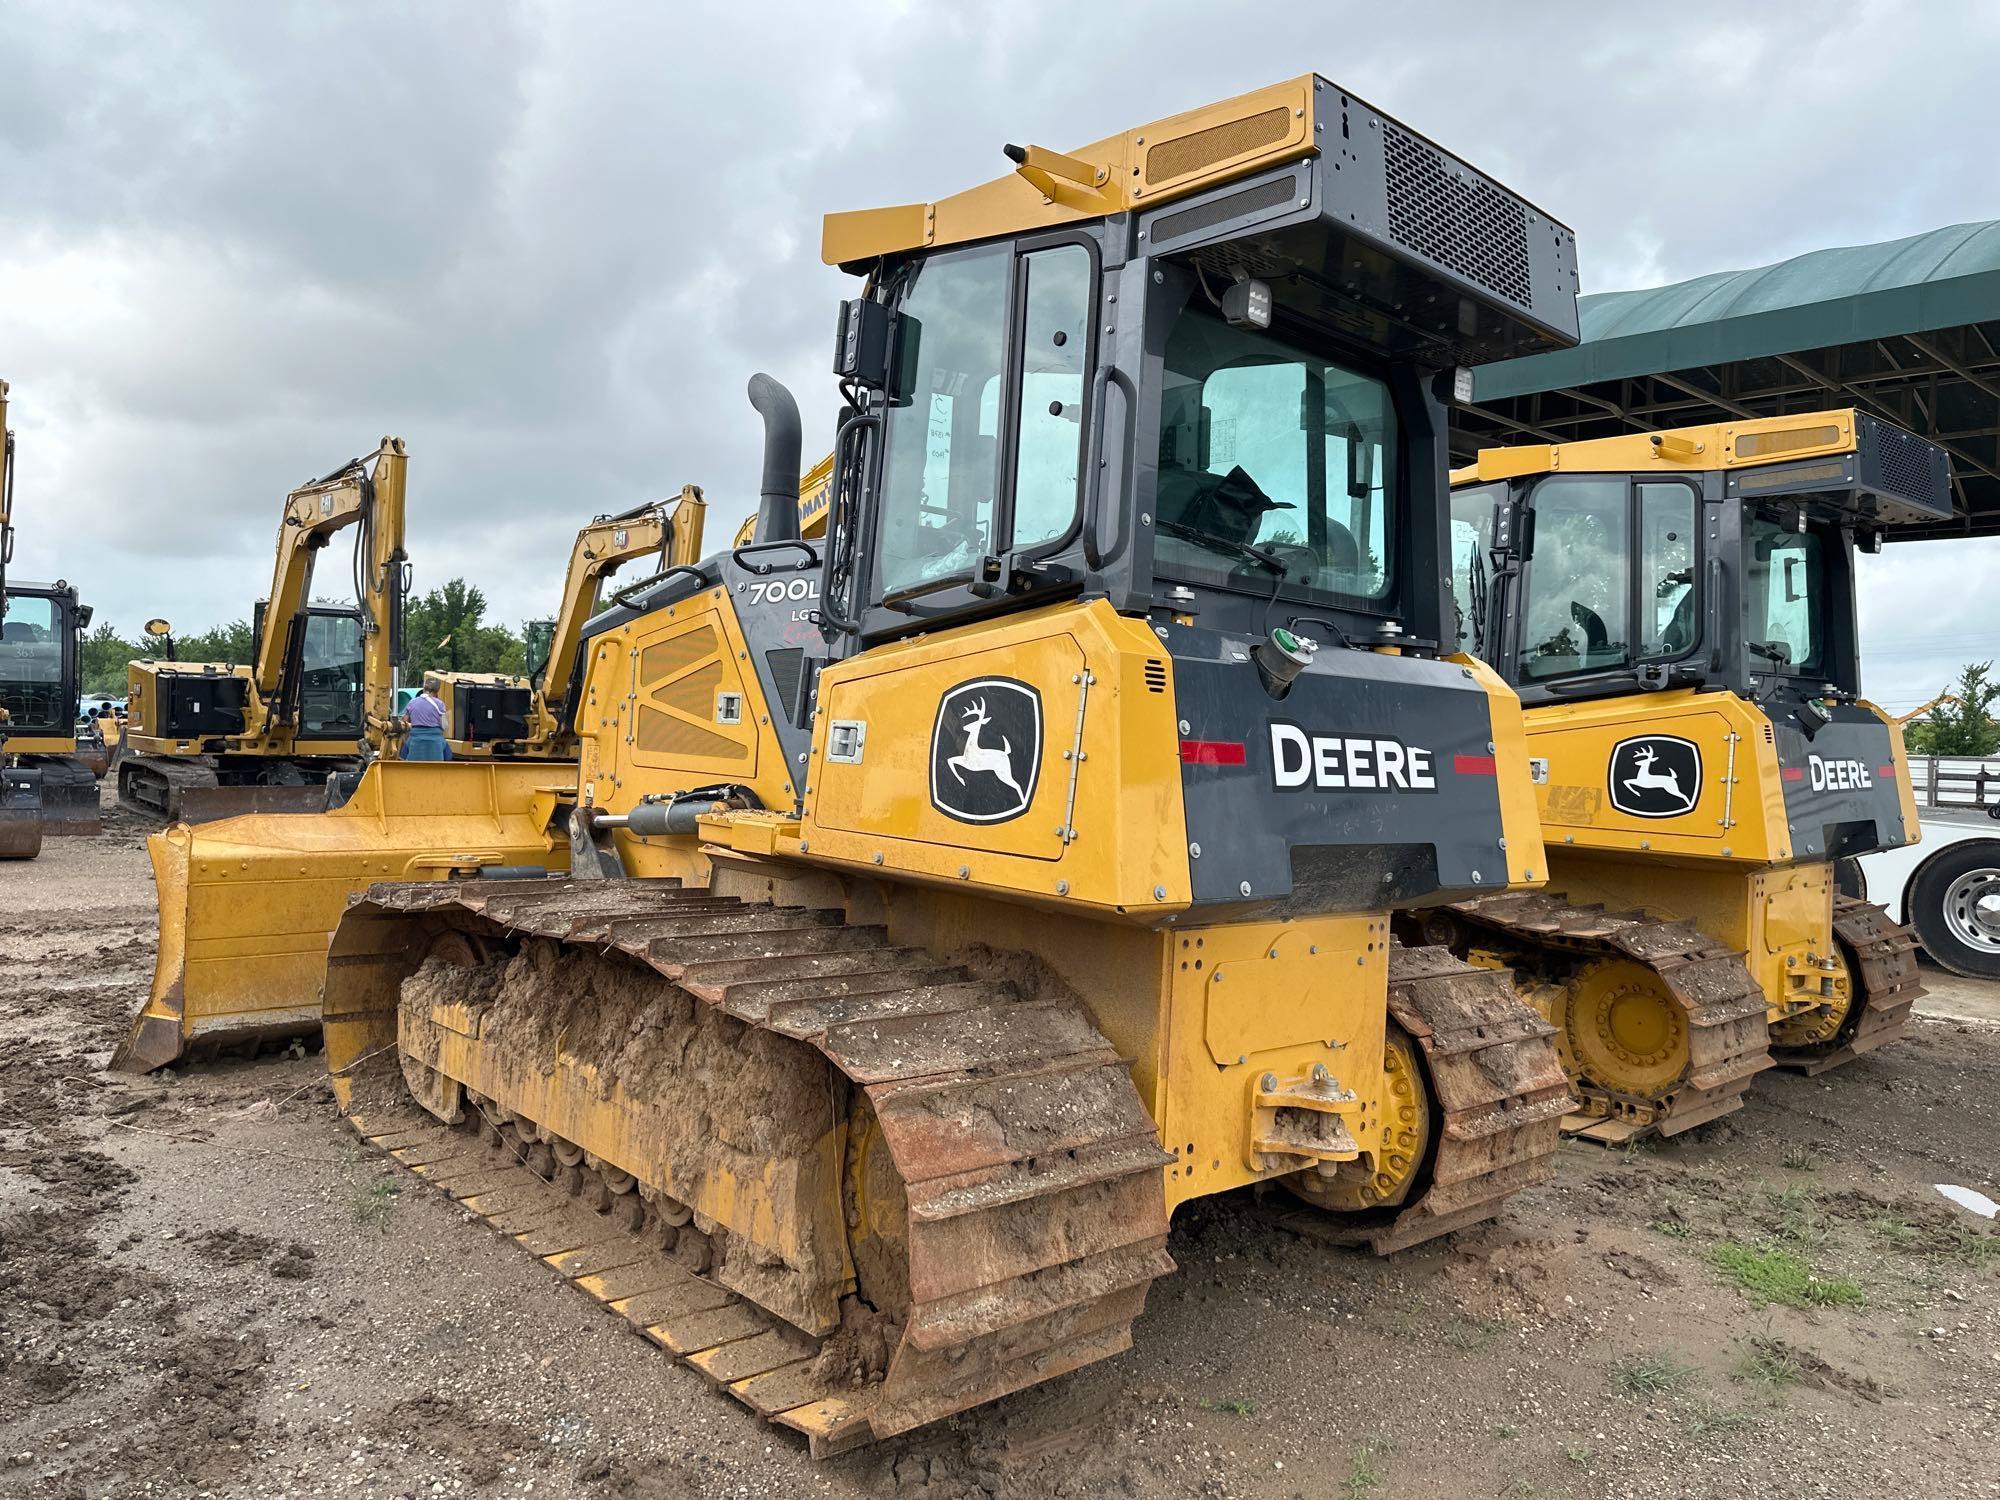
pixel 1035 755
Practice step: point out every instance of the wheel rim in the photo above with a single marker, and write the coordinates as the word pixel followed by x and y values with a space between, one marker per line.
pixel 1972 909
pixel 1406 1137
pixel 1623 1030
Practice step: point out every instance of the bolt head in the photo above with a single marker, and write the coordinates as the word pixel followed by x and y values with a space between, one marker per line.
pixel 1268 1083
pixel 1244 888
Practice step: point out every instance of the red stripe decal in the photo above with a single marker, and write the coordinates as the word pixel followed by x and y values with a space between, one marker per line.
pixel 1474 765
pixel 1887 772
pixel 1211 752
pixel 1794 773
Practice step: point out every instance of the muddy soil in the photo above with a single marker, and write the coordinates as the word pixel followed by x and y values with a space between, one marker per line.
pixel 207 1287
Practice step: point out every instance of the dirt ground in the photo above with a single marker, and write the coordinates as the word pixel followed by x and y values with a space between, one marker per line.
pixel 207 1287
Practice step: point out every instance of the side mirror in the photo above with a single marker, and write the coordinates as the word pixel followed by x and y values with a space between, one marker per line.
pixel 159 629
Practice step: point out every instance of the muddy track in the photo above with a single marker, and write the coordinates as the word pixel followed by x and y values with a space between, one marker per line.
pixel 1036 1213
pixel 1882 965
pixel 1721 1008
pixel 1029 1165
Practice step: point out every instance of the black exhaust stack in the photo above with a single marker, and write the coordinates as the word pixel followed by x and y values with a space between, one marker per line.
pixel 778 495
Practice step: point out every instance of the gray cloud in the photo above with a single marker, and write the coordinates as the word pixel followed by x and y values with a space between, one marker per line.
pixel 547 244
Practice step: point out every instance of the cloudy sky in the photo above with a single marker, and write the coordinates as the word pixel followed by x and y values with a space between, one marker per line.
pixel 548 243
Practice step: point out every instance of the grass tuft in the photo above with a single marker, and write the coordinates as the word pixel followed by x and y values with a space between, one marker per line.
pixel 1767 1274
pixel 1236 1407
pixel 1655 1375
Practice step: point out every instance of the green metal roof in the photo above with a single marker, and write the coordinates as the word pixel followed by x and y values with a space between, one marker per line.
pixel 1940 279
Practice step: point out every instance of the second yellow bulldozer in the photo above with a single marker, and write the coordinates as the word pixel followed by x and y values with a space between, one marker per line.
pixel 1677 610
pixel 955 895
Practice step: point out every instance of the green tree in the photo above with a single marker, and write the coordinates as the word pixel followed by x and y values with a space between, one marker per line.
pixel 105 656
pixel 445 630
pixel 232 643
pixel 1965 727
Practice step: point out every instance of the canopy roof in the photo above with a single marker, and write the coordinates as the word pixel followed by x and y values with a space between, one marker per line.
pixel 1908 330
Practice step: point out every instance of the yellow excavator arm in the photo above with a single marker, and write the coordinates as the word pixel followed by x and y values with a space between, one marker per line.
pixel 356 493
pixel 477 701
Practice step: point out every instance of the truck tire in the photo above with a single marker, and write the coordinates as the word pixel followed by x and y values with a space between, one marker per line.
pixel 1954 904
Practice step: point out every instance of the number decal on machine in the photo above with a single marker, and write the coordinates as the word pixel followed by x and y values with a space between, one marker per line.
pixel 784 590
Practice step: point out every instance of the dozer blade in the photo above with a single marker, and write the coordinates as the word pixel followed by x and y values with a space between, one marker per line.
pixel 211 804
pixel 70 806
pixel 20 812
pixel 247 904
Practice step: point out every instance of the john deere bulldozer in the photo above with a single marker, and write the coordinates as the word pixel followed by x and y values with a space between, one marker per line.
pixel 209 740
pixel 938 926
pixel 1677 611
pixel 48 782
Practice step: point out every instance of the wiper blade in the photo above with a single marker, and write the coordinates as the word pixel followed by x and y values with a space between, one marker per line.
pixel 1223 544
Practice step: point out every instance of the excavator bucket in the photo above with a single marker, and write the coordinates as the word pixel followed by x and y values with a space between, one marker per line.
pixel 20 812
pixel 247 904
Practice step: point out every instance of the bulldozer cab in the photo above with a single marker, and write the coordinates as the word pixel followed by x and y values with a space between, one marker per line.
pixel 1623 583
pixel 1710 557
pixel 1219 407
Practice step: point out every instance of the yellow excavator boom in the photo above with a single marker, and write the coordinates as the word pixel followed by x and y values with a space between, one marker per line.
pixel 493 714
pixel 209 739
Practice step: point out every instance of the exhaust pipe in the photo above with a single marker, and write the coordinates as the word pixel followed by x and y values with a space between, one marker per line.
pixel 778 494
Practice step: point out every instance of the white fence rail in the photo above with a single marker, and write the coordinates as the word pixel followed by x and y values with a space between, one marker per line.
pixel 1955 781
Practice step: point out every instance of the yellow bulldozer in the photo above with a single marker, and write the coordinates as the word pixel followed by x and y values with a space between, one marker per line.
pixel 48 774
pixel 1677 610
pixel 954 895
pixel 207 740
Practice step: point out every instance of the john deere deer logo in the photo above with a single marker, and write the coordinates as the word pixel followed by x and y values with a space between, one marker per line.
pixel 1655 776
pixel 986 750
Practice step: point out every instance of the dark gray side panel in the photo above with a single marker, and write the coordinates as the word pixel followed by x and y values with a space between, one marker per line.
pixel 1840 785
pixel 1398 803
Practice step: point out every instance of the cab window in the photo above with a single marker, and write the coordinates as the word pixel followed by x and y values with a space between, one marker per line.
pixel 1580 580
pixel 1269 446
pixel 960 383
pixel 1612 582
pixel 1784 598
pixel 1471 562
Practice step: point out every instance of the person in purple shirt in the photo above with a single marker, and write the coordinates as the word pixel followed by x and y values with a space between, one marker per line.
pixel 425 716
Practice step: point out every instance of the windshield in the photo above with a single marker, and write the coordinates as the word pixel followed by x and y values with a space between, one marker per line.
pixel 1785 599
pixel 330 684
pixel 1471 563
pixel 31 659
pixel 1264 445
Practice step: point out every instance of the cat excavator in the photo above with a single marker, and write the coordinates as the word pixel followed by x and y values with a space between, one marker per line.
pixel 1677 611
pixel 490 714
pixel 937 926
pixel 206 740
pixel 48 782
